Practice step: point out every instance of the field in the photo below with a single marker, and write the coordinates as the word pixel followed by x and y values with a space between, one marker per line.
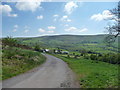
pixel 16 61
pixel 92 74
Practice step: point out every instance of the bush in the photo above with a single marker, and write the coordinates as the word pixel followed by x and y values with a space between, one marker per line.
pixel 75 56
pixel 83 52
pixel 93 57
pixel 8 53
pixel 110 58
pixel 9 41
pixel 37 48
pixel 87 57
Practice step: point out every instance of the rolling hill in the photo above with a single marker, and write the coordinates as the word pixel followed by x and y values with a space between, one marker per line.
pixel 72 42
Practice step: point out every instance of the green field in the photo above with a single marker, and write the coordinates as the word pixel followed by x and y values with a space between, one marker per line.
pixel 16 61
pixel 92 74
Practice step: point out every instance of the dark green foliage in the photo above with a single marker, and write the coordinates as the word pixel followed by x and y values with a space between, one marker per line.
pixel 75 56
pixel 12 42
pixel 37 47
pixel 9 41
pixel 83 52
pixel 87 56
pixel 68 56
pixel 93 57
pixel 112 58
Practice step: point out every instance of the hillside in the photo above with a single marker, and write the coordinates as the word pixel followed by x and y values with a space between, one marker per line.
pixel 18 58
pixel 72 42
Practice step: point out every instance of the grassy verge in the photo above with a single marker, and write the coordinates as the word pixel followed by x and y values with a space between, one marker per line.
pixel 16 61
pixel 92 74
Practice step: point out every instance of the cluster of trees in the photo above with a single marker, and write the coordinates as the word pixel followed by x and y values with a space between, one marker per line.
pixel 11 42
pixel 37 47
pixel 113 58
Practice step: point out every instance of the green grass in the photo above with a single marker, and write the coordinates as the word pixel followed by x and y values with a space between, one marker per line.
pixel 16 61
pixel 92 74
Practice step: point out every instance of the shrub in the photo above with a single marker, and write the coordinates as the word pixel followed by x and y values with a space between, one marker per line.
pixel 93 57
pixel 75 56
pixel 9 41
pixel 37 47
pixel 86 57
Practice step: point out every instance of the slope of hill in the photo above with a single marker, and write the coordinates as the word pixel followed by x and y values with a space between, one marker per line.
pixel 72 42
pixel 17 58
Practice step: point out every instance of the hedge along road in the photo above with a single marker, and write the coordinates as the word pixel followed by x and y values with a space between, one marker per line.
pixel 54 73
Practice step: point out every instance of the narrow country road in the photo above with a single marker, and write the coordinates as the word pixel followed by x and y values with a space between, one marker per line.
pixel 54 73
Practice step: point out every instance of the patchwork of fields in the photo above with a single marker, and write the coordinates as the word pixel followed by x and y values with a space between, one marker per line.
pixel 72 43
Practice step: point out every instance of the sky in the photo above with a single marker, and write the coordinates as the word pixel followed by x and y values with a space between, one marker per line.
pixel 32 19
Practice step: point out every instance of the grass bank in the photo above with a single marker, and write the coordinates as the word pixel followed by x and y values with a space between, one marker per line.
pixel 92 74
pixel 16 61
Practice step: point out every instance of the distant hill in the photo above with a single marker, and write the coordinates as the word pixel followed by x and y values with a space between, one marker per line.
pixel 71 42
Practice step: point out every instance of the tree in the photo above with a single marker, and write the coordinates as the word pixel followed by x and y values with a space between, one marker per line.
pixel 83 52
pixel 37 47
pixel 114 29
pixel 9 41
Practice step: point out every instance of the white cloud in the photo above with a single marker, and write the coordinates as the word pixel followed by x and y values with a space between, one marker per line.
pixel 41 30
pixel 65 19
pixel 74 29
pixel 83 30
pixel 51 27
pixel 44 31
pixel 26 30
pixel 51 31
pixel 12 15
pixel 70 6
pixel 68 20
pixel 49 34
pixel 28 6
pixel 40 17
pixel 14 30
pixel 56 15
pixel 15 26
pixel 106 14
pixel 6 9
